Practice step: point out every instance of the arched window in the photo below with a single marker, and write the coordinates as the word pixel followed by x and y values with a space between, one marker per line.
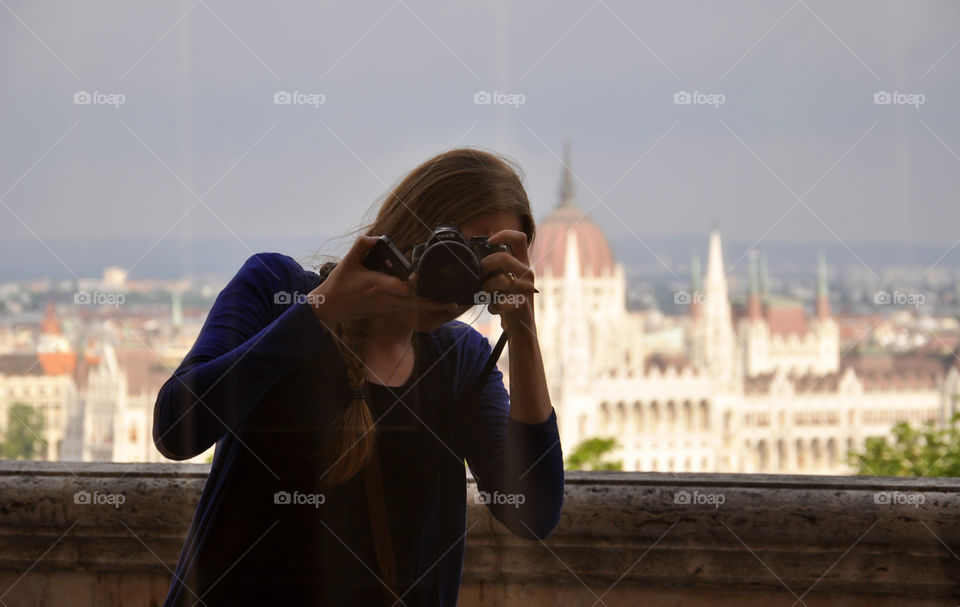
pixel 687 416
pixel 763 456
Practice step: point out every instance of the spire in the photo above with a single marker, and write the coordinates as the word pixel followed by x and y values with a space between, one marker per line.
pixel 176 309
pixel 695 285
pixel 754 307
pixel 50 324
pixel 695 272
pixel 823 296
pixel 566 180
pixel 716 281
pixel 822 274
pixel 764 279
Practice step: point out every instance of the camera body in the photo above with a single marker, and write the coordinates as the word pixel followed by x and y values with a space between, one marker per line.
pixel 447 264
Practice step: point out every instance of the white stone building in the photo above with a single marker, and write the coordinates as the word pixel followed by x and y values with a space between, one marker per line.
pixel 762 390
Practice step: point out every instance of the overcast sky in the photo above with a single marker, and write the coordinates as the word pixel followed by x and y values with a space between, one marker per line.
pixel 796 149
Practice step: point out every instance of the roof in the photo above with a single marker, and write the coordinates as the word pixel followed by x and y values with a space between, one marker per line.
pixel 20 364
pixel 787 319
pixel 144 369
pixel 549 249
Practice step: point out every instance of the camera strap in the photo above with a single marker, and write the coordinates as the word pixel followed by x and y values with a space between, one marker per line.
pixel 492 361
pixel 376 503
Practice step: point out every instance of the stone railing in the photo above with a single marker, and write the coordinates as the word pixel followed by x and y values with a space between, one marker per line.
pixel 625 539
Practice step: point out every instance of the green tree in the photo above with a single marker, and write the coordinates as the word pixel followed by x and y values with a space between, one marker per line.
pixel 928 450
pixel 24 430
pixel 589 454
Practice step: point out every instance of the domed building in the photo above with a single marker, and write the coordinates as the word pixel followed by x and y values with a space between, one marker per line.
pixel 760 391
pixel 583 324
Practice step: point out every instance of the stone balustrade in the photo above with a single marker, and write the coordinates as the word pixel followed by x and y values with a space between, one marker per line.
pixel 653 539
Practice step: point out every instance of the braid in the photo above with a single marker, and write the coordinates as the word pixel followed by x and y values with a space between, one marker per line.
pixel 357 434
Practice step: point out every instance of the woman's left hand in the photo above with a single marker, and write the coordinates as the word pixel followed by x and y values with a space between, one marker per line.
pixel 511 289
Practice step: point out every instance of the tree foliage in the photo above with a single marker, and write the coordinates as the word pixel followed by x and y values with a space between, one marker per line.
pixel 589 455
pixel 928 450
pixel 24 431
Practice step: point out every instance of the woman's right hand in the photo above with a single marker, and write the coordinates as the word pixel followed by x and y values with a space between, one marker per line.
pixel 352 291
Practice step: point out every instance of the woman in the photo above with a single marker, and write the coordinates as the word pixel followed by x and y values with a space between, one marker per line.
pixel 343 406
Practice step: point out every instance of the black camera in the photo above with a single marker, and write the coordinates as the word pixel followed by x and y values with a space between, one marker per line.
pixel 447 264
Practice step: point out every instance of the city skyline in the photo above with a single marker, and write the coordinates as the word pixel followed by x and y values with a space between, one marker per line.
pixel 856 145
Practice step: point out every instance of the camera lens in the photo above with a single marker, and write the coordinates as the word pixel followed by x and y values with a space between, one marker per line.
pixel 448 272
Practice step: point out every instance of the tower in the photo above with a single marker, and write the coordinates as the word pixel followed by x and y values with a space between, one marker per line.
pixel 753 330
pixel 824 327
pixel 715 349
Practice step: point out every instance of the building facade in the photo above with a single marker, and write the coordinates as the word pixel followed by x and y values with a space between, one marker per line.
pixel 762 388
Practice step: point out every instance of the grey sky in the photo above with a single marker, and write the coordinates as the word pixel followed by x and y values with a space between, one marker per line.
pixel 399 80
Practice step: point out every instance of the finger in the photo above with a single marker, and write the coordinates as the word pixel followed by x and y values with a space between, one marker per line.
pixel 502 284
pixel 360 247
pixel 508 305
pixel 497 277
pixel 391 285
pixel 505 262
pixel 515 238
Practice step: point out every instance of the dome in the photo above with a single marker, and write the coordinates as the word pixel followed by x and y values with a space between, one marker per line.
pixel 550 245
pixel 549 252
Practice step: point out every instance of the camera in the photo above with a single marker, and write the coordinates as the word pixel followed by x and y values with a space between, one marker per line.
pixel 447 264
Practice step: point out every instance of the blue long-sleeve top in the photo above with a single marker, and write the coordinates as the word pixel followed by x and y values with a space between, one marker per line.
pixel 264 381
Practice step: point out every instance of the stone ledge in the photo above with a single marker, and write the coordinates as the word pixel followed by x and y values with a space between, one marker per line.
pixel 762 535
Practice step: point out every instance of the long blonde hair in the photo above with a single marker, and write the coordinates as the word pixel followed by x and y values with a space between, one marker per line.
pixel 451 187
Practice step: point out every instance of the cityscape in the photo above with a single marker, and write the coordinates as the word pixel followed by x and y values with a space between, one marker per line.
pixel 715 371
